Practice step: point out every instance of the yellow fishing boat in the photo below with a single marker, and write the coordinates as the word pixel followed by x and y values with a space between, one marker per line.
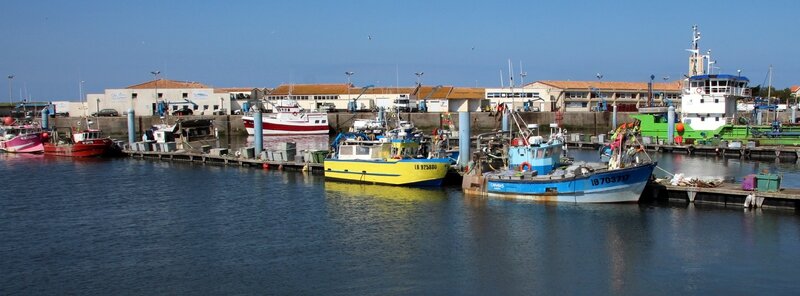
pixel 392 161
pixel 371 153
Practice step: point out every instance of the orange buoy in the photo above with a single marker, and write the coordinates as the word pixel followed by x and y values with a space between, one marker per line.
pixel 679 127
pixel 8 120
pixel 678 140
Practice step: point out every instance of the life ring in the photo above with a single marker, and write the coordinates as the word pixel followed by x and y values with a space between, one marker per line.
pixel 525 166
pixel 699 90
pixel 294 113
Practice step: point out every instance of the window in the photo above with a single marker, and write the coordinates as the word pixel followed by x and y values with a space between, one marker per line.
pixel 716 100
pixel 717 118
pixel 216 107
pixel 702 101
pixel 160 95
pixel 133 95
pixel 196 107
pixel 316 121
pixel 324 121
pixel 205 107
pixel 185 95
pixel 174 107
pixel 702 118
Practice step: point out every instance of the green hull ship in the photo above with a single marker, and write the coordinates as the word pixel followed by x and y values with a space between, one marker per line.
pixel 709 105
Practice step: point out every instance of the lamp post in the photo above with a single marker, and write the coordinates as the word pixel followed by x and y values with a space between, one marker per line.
pixel 349 84
pixel 419 77
pixel 80 97
pixel 10 92
pixel 155 78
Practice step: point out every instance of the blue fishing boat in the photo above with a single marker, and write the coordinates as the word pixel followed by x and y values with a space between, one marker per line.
pixel 530 167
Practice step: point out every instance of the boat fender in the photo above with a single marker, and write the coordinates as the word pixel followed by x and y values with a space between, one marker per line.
pixel 525 166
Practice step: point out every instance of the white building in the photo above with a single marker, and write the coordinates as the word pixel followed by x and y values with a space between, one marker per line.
pixel 143 98
pixel 590 95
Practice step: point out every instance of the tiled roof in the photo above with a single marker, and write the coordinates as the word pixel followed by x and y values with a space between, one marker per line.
pixel 795 88
pixel 310 89
pixel 612 85
pixel 440 93
pixel 166 83
pixel 232 89
pixel 467 93
pixel 384 90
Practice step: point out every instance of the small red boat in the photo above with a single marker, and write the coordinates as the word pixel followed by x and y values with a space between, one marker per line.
pixel 86 143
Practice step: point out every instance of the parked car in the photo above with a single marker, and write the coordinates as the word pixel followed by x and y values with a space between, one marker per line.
pixel 327 107
pixel 106 112
pixel 183 111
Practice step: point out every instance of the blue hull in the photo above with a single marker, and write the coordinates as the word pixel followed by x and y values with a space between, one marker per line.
pixel 621 185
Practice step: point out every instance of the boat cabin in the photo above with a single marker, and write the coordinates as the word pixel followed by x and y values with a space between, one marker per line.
pixel 709 101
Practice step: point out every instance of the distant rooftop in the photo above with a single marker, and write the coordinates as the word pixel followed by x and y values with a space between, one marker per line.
pixel 611 85
pixel 166 84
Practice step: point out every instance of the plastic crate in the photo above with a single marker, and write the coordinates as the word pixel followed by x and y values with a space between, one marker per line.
pixel 749 182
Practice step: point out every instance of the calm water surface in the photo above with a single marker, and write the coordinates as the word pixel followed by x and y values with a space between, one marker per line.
pixel 128 226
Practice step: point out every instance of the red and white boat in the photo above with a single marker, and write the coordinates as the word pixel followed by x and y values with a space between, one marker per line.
pixel 20 138
pixel 289 119
pixel 86 143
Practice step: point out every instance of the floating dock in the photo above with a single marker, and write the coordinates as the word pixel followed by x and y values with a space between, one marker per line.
pixel 759 153
pixel 224 160
pixel 727 195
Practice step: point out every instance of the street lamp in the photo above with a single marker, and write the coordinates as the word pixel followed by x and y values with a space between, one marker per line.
pixel 349 74
pixel 80 97
pixel 98 106
pixel 10 92
pixel 419 77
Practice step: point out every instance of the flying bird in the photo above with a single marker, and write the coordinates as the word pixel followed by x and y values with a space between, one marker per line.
pixel 369 37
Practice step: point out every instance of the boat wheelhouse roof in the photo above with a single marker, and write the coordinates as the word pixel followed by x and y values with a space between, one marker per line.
pixel 719 76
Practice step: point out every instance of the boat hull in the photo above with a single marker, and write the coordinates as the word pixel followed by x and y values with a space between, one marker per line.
pixel 614 186
pixel 412 172
pixel 763 134
pixel 275 127
pixel 30 143
pixel 90 148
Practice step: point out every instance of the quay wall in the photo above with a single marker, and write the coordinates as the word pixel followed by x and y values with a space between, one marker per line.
pixel 583 122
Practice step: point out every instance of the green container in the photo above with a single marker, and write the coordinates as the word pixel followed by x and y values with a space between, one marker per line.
pixel 319 156
pixel 768 182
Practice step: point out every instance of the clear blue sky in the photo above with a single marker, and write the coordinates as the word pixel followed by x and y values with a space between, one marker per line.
pixel 52 45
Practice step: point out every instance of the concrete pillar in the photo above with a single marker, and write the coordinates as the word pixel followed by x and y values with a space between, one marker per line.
pixel 46 118
pixel 794 115
pixel 758 117
pixel 614 117
pixel 258 131
pixel 463 139
pixel 671 125
pixel 505 121
pixel 131 127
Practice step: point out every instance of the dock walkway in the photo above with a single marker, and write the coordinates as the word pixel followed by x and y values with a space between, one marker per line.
pixel 181 156
pixel 726 194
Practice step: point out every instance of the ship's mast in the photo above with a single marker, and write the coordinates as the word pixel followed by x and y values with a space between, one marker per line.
pixel 695 59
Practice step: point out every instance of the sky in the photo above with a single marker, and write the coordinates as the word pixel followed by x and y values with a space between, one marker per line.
pixel 50 46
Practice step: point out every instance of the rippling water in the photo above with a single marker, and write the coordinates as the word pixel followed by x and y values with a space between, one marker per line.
pixel 130 226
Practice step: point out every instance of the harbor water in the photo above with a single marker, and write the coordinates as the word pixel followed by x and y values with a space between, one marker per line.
pixel 129 226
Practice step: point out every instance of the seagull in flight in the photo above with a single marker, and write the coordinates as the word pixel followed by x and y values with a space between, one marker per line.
pixel 369 37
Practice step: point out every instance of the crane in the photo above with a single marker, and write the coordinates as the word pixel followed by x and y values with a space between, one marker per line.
pixel 352 106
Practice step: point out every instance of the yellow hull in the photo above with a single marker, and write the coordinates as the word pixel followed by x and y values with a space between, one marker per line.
pixel 418 172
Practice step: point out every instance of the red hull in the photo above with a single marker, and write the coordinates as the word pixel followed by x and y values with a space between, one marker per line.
pixel 90 148
pixel 270 128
